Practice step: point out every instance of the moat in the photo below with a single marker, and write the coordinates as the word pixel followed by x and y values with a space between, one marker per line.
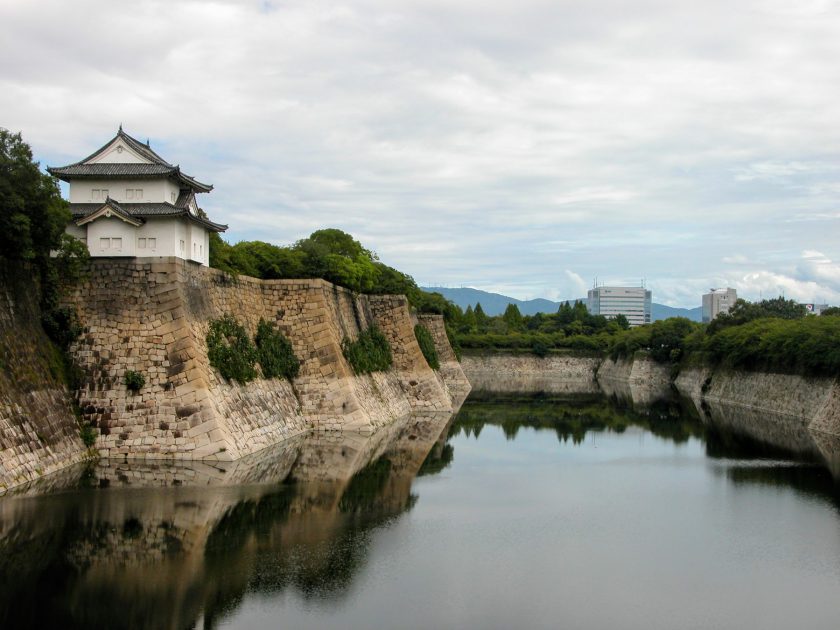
pixel 531 512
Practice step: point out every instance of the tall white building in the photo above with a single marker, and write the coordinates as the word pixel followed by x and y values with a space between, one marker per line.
pixel 718 301
pixel 126 200
pixel 635 303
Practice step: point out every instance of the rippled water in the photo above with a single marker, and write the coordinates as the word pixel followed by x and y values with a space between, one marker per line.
pixel 529 513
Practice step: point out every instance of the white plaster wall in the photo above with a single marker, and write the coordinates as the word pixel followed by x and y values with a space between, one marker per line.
pixel 198 244
pixel 166 231
pixel 111 227
pixel 119 153
pixel 154 191
pixel 170 191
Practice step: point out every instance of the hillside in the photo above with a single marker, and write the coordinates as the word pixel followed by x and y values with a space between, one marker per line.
pixel 495 303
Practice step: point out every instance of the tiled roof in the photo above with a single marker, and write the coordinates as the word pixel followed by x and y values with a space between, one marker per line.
pixel 112 170
pixel 158 168
pixel 146 210
pixel 112 207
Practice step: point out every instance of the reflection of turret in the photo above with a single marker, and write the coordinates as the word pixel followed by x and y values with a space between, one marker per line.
pixel 166 543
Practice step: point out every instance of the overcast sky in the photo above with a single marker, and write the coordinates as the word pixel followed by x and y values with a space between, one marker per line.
pixel 521 147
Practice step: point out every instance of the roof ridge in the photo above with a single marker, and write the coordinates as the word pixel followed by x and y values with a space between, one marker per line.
pixel 143 149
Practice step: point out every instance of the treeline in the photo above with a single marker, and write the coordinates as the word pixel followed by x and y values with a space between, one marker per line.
pixel 572 327
pixel 330 254
pixel 772 335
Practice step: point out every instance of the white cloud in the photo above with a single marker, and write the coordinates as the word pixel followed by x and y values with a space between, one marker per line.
pixel 470 143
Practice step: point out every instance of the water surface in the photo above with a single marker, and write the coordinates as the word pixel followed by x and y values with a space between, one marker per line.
pixel 530 513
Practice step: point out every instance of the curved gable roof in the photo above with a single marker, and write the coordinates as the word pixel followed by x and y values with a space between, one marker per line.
pixel 155 166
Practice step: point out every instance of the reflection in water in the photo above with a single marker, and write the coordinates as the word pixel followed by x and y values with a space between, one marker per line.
pixel 159 545
pixel 571 417
pixel 175 545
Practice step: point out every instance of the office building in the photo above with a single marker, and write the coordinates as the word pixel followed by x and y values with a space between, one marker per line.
pixel 718 301
pixel 635 303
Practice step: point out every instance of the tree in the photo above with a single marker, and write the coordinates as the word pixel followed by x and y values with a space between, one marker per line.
pixel 482 321
pixel 33 215
pixel 743 312
pixel 513 318
pixel 622 321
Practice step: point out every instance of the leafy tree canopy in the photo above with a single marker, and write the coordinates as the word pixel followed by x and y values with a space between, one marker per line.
pixel 32 213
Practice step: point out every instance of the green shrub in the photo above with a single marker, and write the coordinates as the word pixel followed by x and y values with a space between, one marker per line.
pixel 230 350
pixel 88 435
pixel 427 346
pixel 275 353
pixel 134 381
pixel 61 325
pixel 371 352
pixel 539 348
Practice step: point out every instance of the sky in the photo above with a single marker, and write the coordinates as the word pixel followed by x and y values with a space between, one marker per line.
pixel 527 148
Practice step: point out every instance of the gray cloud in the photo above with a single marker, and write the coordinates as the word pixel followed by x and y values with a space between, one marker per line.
pixel 491 144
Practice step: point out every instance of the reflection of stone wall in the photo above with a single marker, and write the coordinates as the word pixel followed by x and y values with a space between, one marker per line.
pixel 38 431
pixel 640 379
pixel 170 542
pixel 152 317
pixel 528 373
pixel 795 401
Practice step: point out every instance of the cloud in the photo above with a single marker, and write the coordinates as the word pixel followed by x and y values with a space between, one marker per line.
pixel 469 143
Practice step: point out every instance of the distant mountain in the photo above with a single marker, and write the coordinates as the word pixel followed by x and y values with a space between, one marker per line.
pixel 495 304
pixel 660 311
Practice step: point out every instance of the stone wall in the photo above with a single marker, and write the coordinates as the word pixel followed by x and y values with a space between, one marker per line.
pixel 640 379
pixel 38 430
pixel 528 373
pixel 797 401
pixel 451 374
pixel 151 316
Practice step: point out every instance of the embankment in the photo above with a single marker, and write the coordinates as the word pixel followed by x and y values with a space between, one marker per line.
pixel 789 411
pixel 759 401
pixel 38 430
pixel 528 373
pixel 151 316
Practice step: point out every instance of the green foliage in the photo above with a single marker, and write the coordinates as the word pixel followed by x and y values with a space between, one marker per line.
pixel 134 381
pixel 61 325
pixel 329 254
pixel 810 345
pixel 427 346
pixel 831 311
pixel 32 213
pixel 370 352
pixel 513 318
pixel 275 353
pixel 230 350
pixel 743 312
pixel 539 348
pixel 88 435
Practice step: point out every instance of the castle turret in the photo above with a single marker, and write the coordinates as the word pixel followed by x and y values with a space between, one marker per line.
pixel 126 200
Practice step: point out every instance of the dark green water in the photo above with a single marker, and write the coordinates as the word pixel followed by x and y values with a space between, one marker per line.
pixel 517 514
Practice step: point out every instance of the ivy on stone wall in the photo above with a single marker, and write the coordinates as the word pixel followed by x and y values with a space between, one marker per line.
pixel 427 346
pixel 370 352
pixel 230 350
pixel 275 353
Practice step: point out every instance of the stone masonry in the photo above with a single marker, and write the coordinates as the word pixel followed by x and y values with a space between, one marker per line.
pixel 152 316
